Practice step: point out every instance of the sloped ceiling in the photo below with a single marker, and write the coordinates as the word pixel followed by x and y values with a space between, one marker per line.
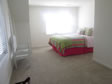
pixel 58 2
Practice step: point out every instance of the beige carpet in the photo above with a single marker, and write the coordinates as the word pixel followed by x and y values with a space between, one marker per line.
pixel 46 67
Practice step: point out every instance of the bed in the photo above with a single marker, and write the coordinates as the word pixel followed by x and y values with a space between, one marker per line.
pixel 67 45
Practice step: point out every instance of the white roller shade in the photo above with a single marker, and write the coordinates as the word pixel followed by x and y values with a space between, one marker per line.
pixel 3 42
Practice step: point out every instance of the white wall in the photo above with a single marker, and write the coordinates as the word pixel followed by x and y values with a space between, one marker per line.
pixel 37 24
pixel 103 32
pixel 5 63
pixel 20 15
pixel 86 14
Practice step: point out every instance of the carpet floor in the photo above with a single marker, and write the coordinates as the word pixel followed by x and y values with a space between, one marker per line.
pixel 46 67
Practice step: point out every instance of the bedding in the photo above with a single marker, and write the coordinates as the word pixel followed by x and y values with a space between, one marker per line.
pixel 62 43
pixel 86 31
pixel 89 41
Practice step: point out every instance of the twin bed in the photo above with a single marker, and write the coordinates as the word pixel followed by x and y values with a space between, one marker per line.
pixel 67 45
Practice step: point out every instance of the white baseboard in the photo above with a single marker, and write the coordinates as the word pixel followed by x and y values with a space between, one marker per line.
pixel 103 64
pixel 40 46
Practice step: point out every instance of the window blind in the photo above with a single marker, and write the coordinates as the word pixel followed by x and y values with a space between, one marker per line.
pixel 3 41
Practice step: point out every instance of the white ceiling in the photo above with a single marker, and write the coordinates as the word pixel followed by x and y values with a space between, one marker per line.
pixel 58 2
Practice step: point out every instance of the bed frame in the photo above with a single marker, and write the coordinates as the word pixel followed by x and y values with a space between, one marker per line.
pixel 73 51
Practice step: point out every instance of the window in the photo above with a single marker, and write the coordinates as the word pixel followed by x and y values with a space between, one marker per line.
pixel 3 44
pixel 1 47
pixel 59 22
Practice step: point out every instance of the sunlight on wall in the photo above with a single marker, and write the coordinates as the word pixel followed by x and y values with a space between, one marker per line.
pixel 59 22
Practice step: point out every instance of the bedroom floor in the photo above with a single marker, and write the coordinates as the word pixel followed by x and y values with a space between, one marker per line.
pixel 46 67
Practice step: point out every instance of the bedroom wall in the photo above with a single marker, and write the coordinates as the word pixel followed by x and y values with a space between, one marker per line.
pixel 20 16
pixel 37 25
pixel 86 14
pixel 103 32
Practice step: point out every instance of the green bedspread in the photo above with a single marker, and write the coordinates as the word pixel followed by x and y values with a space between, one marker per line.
pixel 62 42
